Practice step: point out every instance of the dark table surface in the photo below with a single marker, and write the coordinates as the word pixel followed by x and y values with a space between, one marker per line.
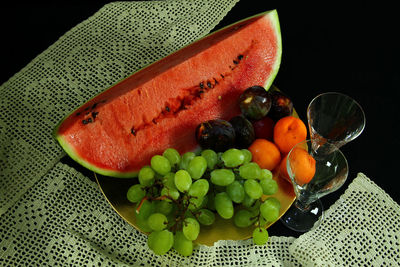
pixel 332 47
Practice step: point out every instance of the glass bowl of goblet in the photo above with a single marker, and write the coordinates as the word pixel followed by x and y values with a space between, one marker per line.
pixel 335 118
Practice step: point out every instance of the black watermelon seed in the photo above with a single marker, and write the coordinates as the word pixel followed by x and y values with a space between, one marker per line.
pixel 209 84
pixel 87 108
pixel 167 109
pixel 235 62
pixel 94 114
pixel 240 57
pixel 94 105
pixel 89 120
pixel 133 131
pixel 215 80
pixel 85 122
pixel 201 85
pixel 222 76
pixel 78 113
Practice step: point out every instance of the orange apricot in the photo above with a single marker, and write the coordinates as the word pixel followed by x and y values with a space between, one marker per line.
pixel 302 165
pixel 265 153
pixel 283 170
pixel 289 131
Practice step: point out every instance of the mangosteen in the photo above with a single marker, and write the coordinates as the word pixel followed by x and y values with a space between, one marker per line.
pixel 244 131
pixel 218 135
pixel 255 102
pixel 282 105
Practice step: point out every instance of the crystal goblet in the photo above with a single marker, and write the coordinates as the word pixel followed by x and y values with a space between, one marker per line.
pixel 335 118
pixel 329 174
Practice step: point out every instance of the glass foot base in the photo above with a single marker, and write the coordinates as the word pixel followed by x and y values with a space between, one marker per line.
pixel 303 220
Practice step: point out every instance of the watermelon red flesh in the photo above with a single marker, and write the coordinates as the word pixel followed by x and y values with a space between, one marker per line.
pixel 117 132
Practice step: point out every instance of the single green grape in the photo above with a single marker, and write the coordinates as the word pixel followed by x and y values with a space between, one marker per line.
pixel 265 174
pixel 211 158
pixel 169 180
pixel 204 202
pixel 157 221
pixel 247 155
pixel 182 245
pixel 147 208
pixel 232 158
pixel 222 177
pixel 164 206
pixel 146 176
pixel 248 201
pixel 219 158
pixel 206 217
pixel 135 193
pixel 270 210
pixel 160 164
pixel 183 180
pixel 196 203
pixel 243 218
pixel 260 236
pixel 274 201
pixel 186 158
pixel 253 189
pixel 211 201
pixel 199 188
pixel 191 228
pixel 224 205
pixel 173 156
pixel 236 192
pixel 197 166
pixel 269 186
pixel 160 241
pixel 170 192
pixel 250 170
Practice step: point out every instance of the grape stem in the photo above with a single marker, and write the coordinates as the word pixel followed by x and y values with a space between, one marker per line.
pixel 141 204
pixel 183 206
pixel 150 198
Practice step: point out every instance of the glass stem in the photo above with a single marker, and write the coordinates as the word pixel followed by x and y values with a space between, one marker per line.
pixel 301 205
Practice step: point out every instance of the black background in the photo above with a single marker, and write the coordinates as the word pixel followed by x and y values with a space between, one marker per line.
pixel 330 47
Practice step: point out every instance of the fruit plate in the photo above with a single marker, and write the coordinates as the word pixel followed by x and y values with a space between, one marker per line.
pixel 115 190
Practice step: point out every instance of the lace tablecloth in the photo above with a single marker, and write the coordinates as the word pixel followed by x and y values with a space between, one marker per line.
pixel 50 214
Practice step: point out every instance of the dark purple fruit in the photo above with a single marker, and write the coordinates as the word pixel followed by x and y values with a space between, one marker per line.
pixel 218 135
pixel 282 105
pixel 244 131
pixel 255 103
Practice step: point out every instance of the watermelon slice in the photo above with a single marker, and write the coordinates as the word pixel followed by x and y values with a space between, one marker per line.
pixel 118 131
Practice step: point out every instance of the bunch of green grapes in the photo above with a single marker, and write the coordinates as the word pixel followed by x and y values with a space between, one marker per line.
pixel 177 194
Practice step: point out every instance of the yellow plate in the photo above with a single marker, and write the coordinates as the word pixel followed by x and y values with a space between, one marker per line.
pixel 115 192
pixel 115 189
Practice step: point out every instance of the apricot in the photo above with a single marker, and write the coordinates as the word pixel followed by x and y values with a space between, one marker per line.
pixel 288 132
pixel 283 170
pixel 302 165
pixel 265 153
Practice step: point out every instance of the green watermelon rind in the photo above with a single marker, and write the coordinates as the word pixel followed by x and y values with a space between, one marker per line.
pixel 273 14
pixel 275 68
pixel 71 152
